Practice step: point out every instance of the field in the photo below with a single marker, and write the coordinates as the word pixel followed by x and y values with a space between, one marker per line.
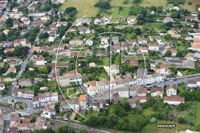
pixel 152 127
pixel 148 3
pixel 190 7
pixel 84 7
pixel 120 3
pixel 117 14
pixel 197 113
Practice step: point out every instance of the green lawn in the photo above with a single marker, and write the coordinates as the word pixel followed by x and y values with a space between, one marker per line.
pixel 191 7
pixel 111 110
pixel 120 3
pixel 106 61
pixel 148 3
pixel 117 14
pixel 148 111
pixel 197 116
pixel 152 127
pixel 84 7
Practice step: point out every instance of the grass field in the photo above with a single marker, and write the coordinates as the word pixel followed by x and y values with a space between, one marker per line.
pixel 117 14
pixel 84 7
pixel 148 3
pixel 152 127
pixel 120 3
pixel 190 7
pixel 197 116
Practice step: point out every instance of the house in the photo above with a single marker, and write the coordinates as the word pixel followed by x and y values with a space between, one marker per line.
pixel 114 69
pixel 69 77
pixel 11 69
pixel 48 110
pixel 142 99
pixel 188 64
pixel 104 40
pixel 2 86
pixel 142 92
pixel 174 100
pixel 39 60
pixel 117 47
pixel 132 102
pixel 83 21
pixel 115 39
pixel 134 63
pixel 168 19
pixel 70 104
pixel 171 90
pixel 101 53
pixel 75 43
pixel 106 19
pixel 25 82
pixel 154 47
pixel 173 51
pixel 88 52
pixel 171 32
pixel 153 66
pixel 89 42
pixel 164 69
pixel 43 98
pixel 23 32
pixel 142 51
pixel 92 64
pixel 22 93
pixel 191 18
pixel 15 9
pixel 176 8
pixel 97 21
pixel 157 92
pixel 45 18
pixel 84 102
pixel 32 7
pixel 44 88
pixel 8 50
pixel 176 36
pixel 123 19
pixel 142 41
pixel 131 20
pixel 6 31
pixel 157 38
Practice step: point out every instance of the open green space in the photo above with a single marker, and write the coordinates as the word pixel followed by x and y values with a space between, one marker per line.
pixel 84 7
pixel 197 116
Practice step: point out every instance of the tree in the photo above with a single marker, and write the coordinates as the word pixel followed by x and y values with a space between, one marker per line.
pixel 70 9
pixel 83 131
pixel 61 113
pixel 133 36
pixel 126 106
pixel 179 54
pixel 33 119
pixel 196 25
pixel 181 106
pixel 45 54
pixel 92 121
pixel 181 120
pixel 39 112
pixel 168 53
pixel 18 51
pixel 112 120
pixel 140 20
pixel 103 4
pixel 3 37
pixel 9 22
